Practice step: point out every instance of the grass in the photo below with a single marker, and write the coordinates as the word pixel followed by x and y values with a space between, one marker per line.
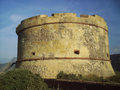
pixel 19 79
pixel 93 78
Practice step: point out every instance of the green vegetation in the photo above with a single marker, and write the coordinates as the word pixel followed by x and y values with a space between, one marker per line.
pixel 62 75
pixel 115 78
pixel 19 79
pixel 93 78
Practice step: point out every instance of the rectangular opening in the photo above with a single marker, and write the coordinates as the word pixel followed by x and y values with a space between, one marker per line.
pixel 32 53
pixel 107 54
pixel 76 51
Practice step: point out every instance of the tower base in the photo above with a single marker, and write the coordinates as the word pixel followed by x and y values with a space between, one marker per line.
pixel 50 68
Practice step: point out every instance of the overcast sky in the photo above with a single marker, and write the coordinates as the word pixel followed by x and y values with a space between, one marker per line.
pixel 12 12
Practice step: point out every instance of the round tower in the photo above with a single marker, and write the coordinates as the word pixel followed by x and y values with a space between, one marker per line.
pixel 64 42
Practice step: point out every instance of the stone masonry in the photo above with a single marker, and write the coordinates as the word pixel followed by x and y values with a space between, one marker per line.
pixel 64 42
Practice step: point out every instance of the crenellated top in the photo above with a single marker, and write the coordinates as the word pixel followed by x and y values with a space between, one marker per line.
pixel 64 15
pixel 93 20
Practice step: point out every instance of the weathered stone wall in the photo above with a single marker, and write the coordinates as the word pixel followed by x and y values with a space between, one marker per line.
pixel 64 42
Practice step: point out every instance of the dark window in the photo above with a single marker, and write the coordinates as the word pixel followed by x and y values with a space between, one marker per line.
pixel 76 51
pixel 107 54
pixel 32 53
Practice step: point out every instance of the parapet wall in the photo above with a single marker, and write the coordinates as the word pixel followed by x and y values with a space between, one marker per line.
pixel 64 42
pixel 93 20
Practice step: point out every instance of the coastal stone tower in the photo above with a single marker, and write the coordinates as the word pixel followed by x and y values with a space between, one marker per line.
pixel 64 42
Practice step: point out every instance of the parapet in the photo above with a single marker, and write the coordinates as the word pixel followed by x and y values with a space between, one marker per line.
pixel 64 15
pixel 93 20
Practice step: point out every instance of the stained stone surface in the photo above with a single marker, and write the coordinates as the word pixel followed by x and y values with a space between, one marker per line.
pixel 60 35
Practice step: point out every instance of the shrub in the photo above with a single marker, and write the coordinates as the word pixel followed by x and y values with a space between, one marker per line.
pixel 115 78
pixel 62 75
pixel 72 77
pixel 90 77
pixel 19 79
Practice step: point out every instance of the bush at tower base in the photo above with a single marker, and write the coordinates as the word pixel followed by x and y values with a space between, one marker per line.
pixel 19 79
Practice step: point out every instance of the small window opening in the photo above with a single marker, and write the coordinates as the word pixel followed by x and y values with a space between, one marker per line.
pixel 33 53
pixel 107 54
pixel 76 51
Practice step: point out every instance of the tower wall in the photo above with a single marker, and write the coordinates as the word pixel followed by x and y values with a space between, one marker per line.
pixel 64 42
